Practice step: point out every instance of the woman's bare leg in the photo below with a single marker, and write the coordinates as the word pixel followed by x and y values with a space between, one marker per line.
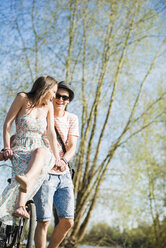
pixel 34 168
pixel 20 208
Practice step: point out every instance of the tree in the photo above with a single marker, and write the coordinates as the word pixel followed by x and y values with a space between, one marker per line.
pixel 143 173
pixel 107 50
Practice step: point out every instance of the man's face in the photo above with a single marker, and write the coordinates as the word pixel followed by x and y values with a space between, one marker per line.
pixel 61 99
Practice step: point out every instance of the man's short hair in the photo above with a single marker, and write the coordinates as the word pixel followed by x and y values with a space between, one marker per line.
pixel 64 85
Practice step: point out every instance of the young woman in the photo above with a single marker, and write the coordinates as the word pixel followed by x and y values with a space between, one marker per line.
pixel 31 157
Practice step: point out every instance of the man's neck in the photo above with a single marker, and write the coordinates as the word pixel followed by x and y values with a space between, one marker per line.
pixel 59 113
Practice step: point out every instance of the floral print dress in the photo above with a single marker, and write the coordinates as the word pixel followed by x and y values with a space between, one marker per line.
pixel 29 136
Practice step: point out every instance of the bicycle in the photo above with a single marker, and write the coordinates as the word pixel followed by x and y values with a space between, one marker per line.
pixel 14 236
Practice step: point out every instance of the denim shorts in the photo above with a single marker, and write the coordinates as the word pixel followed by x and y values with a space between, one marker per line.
pixel 57 189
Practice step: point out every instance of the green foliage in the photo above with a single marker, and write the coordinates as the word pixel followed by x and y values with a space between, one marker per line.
pixel 102 234
pixel 140 237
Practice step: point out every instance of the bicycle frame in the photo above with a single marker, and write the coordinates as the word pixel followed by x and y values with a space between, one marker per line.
pixel 12 236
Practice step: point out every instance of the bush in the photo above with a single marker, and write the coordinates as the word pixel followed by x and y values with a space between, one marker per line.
pixel 140 237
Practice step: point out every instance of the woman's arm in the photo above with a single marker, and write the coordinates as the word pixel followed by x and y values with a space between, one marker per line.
pixel 51 132
pixel 11 115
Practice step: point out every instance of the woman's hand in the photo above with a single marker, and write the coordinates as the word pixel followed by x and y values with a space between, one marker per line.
pixel 7 154
pixel 1 156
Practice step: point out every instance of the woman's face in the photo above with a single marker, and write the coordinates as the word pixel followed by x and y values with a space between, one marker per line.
pixel 50 95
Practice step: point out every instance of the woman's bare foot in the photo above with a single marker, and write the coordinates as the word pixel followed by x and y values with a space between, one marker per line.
pixel 23 181
pixel 21 212
pixel 23 190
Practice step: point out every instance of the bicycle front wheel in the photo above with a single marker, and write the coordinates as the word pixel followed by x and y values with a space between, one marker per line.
pixel 29 225
pixel 32 223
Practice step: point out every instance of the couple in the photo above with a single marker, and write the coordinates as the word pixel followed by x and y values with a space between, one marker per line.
pixel 32 117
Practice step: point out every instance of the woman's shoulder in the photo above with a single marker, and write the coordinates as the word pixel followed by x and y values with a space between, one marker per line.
pixel 22 96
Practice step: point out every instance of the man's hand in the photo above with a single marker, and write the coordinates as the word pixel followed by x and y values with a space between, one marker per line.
pixel 60 165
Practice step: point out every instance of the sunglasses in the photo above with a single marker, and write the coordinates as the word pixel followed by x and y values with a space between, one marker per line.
pixel 64 98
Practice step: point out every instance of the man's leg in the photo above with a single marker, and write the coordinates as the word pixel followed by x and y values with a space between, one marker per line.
pixel 44 202
pixel 60 232
pixel 64 204
pixel 41 234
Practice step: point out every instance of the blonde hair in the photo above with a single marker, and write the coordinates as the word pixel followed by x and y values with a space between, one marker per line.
pixel 40 89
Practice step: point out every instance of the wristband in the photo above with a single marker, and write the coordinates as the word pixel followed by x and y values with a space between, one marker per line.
pixel 65 160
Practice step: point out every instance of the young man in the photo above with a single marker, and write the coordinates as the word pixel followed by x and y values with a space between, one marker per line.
pixel 57 189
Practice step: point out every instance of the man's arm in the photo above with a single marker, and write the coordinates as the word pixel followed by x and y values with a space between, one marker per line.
pixel 71 147
pixel 70 151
